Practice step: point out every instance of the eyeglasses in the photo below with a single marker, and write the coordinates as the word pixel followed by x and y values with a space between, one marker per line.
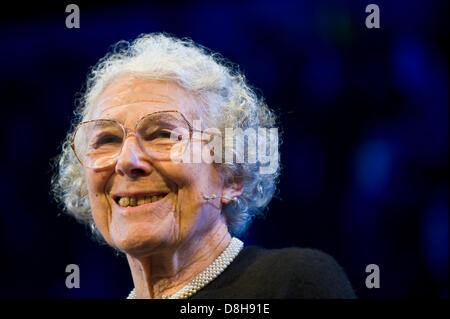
pixel 162 135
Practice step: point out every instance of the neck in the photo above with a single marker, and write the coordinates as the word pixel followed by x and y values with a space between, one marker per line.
pixel 164 273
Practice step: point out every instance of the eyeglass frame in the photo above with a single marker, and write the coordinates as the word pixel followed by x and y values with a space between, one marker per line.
pixel 127 132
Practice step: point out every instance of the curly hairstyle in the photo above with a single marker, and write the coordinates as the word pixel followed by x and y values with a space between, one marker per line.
pixel 228 101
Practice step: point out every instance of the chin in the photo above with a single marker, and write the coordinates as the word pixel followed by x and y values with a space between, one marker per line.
pixel 141 239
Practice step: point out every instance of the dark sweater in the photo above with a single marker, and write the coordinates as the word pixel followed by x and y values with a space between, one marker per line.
pixel 280 273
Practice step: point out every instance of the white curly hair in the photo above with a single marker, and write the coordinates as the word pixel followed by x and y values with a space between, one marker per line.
pixel 228 102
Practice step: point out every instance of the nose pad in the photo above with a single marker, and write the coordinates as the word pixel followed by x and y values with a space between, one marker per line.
pixel 133 161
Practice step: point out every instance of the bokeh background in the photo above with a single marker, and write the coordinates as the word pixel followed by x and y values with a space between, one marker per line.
pixel 364 115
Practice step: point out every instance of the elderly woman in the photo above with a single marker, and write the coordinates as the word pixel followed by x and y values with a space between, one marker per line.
pixel 128 169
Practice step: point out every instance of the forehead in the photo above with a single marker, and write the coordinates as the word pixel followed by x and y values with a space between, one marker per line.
pixel 128 98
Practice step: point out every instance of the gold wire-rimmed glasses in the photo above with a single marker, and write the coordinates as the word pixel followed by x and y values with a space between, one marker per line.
pixel 163 135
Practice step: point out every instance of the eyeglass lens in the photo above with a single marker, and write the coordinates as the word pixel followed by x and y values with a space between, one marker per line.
pixel 161 135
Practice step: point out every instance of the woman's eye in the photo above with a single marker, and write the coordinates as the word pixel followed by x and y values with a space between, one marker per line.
pixel 107 140
pixel 162 134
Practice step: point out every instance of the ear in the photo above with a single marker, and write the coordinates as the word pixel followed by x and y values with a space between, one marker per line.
pixel 233 188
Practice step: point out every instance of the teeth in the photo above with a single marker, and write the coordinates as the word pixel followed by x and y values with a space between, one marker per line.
pixel 136 201
pixel 124 201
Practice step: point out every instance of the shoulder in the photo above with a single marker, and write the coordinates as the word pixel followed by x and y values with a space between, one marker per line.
pixel 301 272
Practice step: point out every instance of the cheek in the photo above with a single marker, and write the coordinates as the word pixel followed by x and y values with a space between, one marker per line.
pixel 96 183
pixel 190 175
pixel 189 168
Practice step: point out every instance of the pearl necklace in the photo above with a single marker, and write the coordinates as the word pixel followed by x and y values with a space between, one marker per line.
pixel 208 275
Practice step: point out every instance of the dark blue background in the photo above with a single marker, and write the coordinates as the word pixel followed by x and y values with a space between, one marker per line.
pixel 364 114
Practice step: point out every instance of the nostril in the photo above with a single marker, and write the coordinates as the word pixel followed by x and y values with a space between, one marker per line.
pixel 137 172
pixel 133 172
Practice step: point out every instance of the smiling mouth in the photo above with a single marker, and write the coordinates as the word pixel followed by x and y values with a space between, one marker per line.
pixel 127 201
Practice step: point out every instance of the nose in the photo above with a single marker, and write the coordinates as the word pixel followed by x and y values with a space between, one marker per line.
pixel 132 161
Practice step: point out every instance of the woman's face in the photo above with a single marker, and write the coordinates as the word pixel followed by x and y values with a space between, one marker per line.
pixel 179 212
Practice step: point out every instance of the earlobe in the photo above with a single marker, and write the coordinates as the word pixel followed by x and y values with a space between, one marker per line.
pixel 227 200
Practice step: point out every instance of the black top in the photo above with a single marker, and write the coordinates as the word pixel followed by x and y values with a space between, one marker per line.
pixel 280 273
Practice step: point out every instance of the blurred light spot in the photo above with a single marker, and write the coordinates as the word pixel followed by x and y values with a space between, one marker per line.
pixel 410 69
pixel 373 168
pixel 335 25
pixel 436 238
